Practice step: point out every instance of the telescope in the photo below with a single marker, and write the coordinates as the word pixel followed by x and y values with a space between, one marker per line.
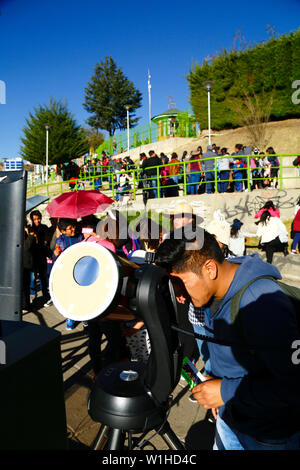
pixel 88 281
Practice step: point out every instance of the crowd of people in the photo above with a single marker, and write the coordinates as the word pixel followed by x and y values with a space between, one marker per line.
pixel 199 171
pixel 211 274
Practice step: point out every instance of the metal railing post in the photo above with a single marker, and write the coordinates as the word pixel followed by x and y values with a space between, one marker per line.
pixel 157 182
pixel 216 175
pixel 248 173
pixel 184 178
pixel 133 182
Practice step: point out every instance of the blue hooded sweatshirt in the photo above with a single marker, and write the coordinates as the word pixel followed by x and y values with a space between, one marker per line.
pixel 260 385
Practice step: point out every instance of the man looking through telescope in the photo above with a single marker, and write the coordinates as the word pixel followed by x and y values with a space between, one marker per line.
pixel 254 385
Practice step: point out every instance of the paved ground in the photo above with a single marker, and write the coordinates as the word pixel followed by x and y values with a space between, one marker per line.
pixel 188 420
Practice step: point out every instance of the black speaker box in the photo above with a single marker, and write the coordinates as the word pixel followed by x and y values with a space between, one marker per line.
pixel 32 408
pixel 12 214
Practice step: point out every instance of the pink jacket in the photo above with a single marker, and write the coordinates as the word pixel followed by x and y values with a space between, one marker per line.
pixel 273 213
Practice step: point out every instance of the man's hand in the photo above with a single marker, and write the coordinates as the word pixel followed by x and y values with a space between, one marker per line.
pixel 208 393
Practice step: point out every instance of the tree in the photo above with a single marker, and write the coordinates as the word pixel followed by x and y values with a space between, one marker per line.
pixel 267 68
pixel 67 140
pixel 94 138
pixel 107 95
pixel 254 112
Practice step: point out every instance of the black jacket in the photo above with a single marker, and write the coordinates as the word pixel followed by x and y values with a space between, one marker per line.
pixel 151 161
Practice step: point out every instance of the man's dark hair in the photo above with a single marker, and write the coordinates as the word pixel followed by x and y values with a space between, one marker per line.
pixel 64 223
pixel 36 212
pixel 174 255
pixel 151 153
pixel 239 146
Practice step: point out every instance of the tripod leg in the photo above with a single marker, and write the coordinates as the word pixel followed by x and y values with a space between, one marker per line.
pixel 101 438
pixel 170 438
pixel 116 439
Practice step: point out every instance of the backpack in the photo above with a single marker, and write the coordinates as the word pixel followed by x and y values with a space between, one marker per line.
pixel 291 291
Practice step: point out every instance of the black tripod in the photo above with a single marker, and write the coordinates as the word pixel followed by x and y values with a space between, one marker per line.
pixel 120 402
pixel 114 439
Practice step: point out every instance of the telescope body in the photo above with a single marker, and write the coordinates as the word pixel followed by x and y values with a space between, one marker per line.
pixel 88 281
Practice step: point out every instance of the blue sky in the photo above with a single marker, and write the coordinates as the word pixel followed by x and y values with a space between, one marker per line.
pixel 49 48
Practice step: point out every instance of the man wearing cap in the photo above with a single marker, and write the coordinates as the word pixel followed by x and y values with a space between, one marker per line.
pixel 209 168
pixel 194 171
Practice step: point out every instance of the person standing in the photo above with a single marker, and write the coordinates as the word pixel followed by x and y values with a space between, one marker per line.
pixel 67 238
pixel 174 170
pixel 151 172
pixel 209 168
pixel 194 171
pixel 238 168
pixel 274 166
pixel 239 150
pixel 296 229
pixel 223 169
pixel 40 251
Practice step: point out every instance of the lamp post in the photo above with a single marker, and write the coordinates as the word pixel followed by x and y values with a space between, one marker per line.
pixel 127 109
pixel 208 85
pixel 47 127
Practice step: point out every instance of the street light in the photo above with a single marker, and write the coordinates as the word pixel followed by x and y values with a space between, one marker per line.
pixel 127 109
pixel 208 85
pixel 47 127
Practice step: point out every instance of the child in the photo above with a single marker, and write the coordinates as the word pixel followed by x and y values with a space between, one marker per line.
pixel 238 166
pixel 67 238
pixel 237 238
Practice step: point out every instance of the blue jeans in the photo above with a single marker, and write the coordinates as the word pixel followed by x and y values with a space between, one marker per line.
pixel 193 182
pixel 222 185
pixel 209 178
pixel 296 241
pixel 154 185
pixel 227 439
pixel 203 348
pixel 238 182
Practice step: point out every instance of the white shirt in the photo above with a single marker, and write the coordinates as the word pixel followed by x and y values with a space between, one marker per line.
pixel 237 244
pixel 273 228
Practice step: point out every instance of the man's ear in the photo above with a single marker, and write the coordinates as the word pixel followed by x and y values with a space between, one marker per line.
pixel 211 269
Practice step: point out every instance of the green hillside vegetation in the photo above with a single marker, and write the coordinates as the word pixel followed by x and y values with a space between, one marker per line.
pixel 266 70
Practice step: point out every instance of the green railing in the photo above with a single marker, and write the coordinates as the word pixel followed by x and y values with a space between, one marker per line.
pixel 100 177
pixel 150 132
pixel 139 135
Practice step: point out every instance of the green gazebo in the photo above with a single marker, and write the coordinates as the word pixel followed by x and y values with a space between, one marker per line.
pixel 175 123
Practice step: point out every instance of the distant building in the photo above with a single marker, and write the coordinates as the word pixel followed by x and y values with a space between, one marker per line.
pixel 175 123
pixel 13 164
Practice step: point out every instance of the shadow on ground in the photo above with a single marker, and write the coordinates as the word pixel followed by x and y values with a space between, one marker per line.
pixel 200 436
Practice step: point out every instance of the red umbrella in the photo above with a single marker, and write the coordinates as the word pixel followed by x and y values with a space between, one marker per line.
pixel 77 204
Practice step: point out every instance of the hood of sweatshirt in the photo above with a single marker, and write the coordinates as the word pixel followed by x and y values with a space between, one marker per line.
pixel 251 266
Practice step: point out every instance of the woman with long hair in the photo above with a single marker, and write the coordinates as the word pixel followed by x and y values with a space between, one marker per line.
pixel 273 235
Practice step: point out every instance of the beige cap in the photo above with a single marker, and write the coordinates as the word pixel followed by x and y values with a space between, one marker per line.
pixel 181 208
pixel 221 230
